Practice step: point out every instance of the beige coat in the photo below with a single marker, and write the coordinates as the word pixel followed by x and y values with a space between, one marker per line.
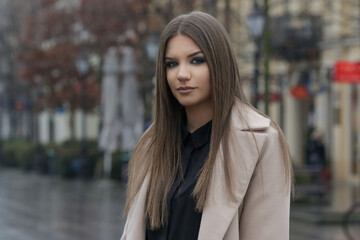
pixel 262 206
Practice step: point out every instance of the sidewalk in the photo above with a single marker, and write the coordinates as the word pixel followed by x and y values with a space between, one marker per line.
pixel 36 207
pixel 323 220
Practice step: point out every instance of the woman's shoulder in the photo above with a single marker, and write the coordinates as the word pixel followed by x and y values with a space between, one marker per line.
pixel 247 118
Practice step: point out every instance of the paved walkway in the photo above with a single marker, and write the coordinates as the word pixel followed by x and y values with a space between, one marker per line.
pixel 35 207
pixel 324 220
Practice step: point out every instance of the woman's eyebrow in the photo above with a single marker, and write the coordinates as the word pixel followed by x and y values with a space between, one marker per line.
pixel 169 58
pixel 195 53
pixel 189 56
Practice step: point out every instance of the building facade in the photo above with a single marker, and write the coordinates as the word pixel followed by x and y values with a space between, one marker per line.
pixel 307 38
pixel 341 42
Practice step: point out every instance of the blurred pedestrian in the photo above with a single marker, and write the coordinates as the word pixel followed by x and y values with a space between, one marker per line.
pixel 315 150
pixel 316 159
pixel 210 166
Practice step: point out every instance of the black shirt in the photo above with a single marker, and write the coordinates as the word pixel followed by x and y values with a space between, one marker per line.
pixel 184 220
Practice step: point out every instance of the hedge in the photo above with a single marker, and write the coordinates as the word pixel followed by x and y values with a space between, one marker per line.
pixel 67 160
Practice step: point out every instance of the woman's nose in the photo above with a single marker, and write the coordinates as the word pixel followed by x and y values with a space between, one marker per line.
pixel 183 73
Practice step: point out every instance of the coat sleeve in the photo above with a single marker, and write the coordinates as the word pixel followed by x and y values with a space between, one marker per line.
pixel 266 205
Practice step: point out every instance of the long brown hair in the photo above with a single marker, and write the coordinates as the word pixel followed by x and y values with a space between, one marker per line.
pixel 162 159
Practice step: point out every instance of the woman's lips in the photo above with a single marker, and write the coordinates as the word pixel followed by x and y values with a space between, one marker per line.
pixel 185 90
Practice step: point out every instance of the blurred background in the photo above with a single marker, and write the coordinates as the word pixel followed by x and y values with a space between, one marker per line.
pixel 76 92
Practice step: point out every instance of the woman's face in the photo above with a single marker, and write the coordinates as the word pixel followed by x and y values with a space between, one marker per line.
pixel 187 72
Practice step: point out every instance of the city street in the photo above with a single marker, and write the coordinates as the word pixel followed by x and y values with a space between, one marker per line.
pixel 37 207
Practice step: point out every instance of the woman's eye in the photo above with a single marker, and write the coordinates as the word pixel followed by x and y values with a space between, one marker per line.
pixel 170 64
pixel 198 60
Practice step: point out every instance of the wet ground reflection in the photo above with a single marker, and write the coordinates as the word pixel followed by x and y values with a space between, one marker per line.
pixel 39 207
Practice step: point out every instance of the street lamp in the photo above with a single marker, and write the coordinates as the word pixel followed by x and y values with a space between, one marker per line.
pixel 82 66
pixel 152 47
pixel 2 88
pixel 256 22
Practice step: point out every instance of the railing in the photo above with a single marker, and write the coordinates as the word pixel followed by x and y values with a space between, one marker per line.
pixel 346 220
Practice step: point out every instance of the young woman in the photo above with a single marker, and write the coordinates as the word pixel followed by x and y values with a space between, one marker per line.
pixel 211 166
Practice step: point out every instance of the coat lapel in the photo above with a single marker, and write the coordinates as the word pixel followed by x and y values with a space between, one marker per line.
pixel 135 225
pixel 220 209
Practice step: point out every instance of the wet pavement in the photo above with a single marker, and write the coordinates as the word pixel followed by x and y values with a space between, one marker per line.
pixel 323 219
pixel 38 207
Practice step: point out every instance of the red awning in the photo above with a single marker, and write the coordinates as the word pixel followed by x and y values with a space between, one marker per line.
pixel 347 72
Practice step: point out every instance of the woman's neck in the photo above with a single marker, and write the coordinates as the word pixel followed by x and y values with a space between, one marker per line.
pixel 198 116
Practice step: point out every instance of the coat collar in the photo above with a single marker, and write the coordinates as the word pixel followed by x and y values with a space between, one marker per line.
pixel 219 209
pixel 245 118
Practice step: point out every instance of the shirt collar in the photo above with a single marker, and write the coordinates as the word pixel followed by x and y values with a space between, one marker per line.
pixel 199 137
